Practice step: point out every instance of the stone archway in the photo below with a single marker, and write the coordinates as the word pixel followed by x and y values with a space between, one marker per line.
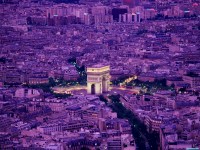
pixel 98 78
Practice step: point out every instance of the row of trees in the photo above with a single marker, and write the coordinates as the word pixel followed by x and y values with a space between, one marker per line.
pixel 143 139
pixel 120 80
pixel 151 86
pixel 47 88
pixel 82 80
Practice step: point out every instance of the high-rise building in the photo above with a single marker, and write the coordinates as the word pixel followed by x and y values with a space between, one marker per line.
pixel 130 17
pixel 116 12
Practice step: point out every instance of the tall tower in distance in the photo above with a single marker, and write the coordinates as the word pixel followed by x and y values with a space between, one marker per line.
pixel 98 79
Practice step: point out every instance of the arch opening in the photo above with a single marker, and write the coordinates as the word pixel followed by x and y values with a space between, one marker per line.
pixel 93 89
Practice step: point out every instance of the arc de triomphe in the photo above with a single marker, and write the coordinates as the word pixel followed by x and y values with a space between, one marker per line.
pixel 98 79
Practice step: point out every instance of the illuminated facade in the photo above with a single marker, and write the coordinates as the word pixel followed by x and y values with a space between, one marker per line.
pixel 98 79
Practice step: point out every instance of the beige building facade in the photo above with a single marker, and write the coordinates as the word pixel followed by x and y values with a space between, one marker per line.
pixel 98 79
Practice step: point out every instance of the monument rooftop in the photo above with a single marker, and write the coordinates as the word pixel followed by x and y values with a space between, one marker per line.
pixel 98 68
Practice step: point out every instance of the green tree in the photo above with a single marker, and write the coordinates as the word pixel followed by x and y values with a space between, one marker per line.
pixel 142 138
